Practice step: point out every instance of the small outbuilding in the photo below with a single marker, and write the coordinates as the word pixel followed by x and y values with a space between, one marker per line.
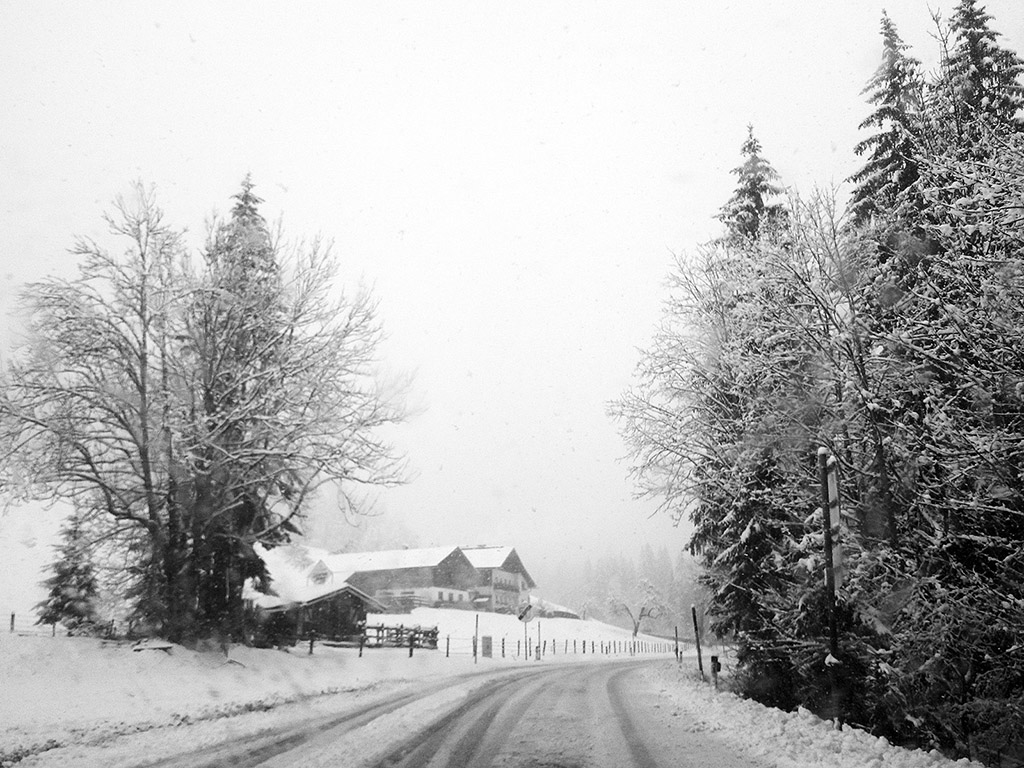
pixel 307 596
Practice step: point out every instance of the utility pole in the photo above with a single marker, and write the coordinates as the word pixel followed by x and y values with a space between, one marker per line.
pixel 830 517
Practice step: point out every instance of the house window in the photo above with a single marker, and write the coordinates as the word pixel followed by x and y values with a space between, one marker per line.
pixel 440 596
pixel 451 597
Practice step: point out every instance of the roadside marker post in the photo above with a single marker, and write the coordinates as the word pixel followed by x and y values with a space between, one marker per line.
pixel 696 636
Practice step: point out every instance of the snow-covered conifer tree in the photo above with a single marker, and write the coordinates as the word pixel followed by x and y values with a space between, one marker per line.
pixel 983 75
pixel 752 207
pixel 73 588
pixel 895 90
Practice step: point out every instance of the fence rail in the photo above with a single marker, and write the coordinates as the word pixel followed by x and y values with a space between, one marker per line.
pixel 25 624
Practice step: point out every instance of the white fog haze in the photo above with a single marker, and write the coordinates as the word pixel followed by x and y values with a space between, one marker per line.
pixel 512 182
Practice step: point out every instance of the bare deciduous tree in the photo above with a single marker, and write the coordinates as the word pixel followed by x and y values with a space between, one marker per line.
pixel 196 409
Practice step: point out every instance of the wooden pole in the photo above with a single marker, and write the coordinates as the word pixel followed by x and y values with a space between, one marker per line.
pixel 696 636
pixel 830 583
pixel 476 638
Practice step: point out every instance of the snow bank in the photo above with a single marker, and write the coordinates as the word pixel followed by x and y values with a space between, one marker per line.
pixel 787 739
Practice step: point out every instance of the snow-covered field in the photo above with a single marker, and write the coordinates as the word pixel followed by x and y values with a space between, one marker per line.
pixel 66 691
pixel 553 634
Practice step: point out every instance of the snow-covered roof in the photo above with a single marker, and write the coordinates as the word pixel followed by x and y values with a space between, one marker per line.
pixel 505 558
pixel 546 606
pixel 299 575
pixel 387 560
pixel 487 557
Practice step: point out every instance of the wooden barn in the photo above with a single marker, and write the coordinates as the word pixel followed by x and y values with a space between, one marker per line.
pixel 307 597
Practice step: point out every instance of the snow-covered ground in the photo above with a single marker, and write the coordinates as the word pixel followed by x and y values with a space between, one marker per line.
pixel 786 739
pixel 59 690
pixel 67 691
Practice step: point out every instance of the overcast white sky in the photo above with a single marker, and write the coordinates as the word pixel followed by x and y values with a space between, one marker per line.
pixel 511 178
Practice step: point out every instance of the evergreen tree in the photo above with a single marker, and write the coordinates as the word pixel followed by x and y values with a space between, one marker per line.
pixel 750 209
pixel 896 91
pixel 983 76
pixel 238 324
pixel 73 587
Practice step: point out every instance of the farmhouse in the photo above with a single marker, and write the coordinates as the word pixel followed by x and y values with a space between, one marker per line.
pixel 331 593
pixel 403 579
pixel 504 581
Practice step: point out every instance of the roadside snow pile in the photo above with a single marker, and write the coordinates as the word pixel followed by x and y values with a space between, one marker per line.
pixel 788 739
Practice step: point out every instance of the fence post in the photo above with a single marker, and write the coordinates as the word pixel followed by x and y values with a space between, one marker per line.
pixel 503 647
pixel 412 642
pixel 312 636
pixel 53 629
pixel 447 645
pixel 476 636
pixel 362 642
pixel 12 622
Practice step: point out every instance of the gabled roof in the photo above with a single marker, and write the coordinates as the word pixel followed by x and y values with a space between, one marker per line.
pixel 299 575
pixel 388 560
pixel 505 558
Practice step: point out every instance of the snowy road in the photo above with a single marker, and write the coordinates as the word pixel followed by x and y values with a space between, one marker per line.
pixel 599 716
